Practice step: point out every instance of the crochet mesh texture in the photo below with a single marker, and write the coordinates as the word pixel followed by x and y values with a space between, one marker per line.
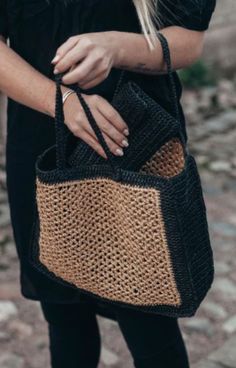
pixel 108 237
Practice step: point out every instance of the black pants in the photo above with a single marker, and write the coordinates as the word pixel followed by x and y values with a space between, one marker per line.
pixel 154 341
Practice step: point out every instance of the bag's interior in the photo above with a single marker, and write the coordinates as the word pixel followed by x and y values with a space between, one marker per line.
pixel 167 162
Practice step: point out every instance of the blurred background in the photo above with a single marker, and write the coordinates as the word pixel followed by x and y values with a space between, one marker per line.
pixel 209 101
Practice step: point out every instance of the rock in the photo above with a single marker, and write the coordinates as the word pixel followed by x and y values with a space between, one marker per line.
pixel 230 185
pixel 202 160
pixel 206 364
pixel 3 196
pixel 10 251
pixel 225 85
pixel 232 219
pixel 230 325
pixel 38 310
pixel 4 265
pixel 10 290
pixel 3 179
pixel 225 93
pixel 7 309
pixel 233 160
pixel 214 310
pixel 4 336
pixel 225 287
pixel 108 357
pixel 185 337
pixel 221 267
pixel 3 239
pixel 220 166
pixel 8 360
pixel 212 189
pixel 206 96
pixel 214 125
pixel 224 229
pixel 233 173
pixel 21 329
pixel 4 215
pixel 199 325
pixel 225 356
pixel 222 123
pixel 41 342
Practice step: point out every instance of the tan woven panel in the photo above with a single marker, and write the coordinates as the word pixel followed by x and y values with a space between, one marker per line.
pixel 109 238
pixel 168 161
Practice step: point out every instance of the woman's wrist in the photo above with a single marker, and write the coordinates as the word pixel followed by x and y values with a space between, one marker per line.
pixel 50 96
pixel 117 40
pixel 132 52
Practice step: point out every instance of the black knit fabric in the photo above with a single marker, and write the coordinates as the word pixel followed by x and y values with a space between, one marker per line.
pixel 182 201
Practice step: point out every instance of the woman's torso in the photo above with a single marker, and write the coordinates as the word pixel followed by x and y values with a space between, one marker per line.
pixel 38 27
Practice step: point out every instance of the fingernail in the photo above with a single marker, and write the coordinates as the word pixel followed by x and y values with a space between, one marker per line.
pixel 56 71
pixel 55 60
pixel 125 143
pixel 126 132
pixel 119 152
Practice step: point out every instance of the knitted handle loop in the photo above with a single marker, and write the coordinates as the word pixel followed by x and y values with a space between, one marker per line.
pixel 61 133
pixel 96 129
pixel 167 59
pixel 60 127
pixel 59 113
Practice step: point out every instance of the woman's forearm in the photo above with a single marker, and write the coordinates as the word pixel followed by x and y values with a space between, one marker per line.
pixel 21 82
pixel 134 53
pixel 24 84
pixel 87 58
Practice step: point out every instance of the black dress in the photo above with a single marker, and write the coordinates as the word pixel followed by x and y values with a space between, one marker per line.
pixel 36 28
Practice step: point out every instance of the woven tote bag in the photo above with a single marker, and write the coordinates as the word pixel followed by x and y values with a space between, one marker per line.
pixel 133 236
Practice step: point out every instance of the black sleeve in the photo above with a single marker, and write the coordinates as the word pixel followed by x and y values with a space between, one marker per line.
pixel 3 19
pixel 190 14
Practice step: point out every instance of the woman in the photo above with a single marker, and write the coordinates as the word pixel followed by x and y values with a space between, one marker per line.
pixel 106 37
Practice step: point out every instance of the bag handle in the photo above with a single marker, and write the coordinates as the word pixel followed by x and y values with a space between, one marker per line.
pixel 59 113
pixel 61 133
pixel 167 59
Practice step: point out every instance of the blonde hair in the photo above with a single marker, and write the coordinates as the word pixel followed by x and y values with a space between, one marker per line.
pixel 148 17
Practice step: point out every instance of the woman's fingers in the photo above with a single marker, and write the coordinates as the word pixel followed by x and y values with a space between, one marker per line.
pixel 77 122
pixel 92 142
pixel 108 111
pixel 115 140
pixel 87 54
pixel 93 82
pixel 70 59
pixel 64 48
pixel 87 134
pixel 89 68
pixel 79 73
pixel 89 75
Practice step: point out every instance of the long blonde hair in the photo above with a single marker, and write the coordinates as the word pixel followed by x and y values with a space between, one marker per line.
pixel 148 17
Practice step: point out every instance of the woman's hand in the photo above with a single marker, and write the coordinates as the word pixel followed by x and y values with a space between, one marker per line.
pixel 88 57
pixel 113 128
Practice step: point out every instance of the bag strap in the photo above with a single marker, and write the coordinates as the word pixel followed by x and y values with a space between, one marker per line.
pixel 61 128
pixel 59 113
pixel 167 60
